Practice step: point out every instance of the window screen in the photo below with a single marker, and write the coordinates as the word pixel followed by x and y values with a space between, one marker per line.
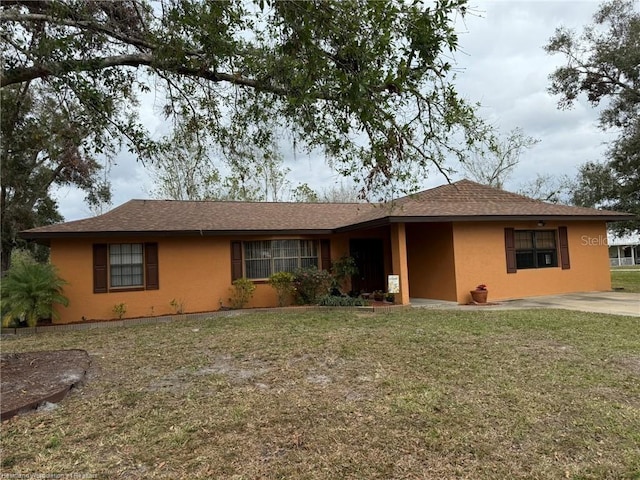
pixel 126 265
pixel 265 257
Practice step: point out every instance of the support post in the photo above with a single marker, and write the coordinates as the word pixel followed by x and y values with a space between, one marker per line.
pixel 399 261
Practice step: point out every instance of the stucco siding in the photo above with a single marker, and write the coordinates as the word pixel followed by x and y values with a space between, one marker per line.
pixel 194 271
pixel 431 261
pixel 480 258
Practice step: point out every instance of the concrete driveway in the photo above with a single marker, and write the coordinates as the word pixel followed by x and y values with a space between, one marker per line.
pixel 617 303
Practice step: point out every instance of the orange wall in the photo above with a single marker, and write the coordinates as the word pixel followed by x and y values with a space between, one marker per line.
pixel 431 261
pixel 442 259
pixel 480 258
pixel 193 270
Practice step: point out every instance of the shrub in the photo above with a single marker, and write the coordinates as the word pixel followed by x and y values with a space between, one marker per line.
pixel 340 301
pixel 311 284
pixel 282 282
pixel 29 290
pixel 241 292
pixel 119 309
pixel 343 269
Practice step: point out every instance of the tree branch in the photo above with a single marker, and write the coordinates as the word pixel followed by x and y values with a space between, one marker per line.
pixel 19 75
pixel 82 24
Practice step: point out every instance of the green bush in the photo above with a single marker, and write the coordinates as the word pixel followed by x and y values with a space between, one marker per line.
pixel 241 292
pixel 343 269
pixel 340 301
pixel 29 290
pixel 282 282
pixel 311 284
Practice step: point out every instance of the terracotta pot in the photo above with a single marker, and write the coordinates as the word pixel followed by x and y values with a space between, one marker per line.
pixel 479 296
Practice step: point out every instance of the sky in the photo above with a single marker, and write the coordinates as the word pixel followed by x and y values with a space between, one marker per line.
pixel 500 63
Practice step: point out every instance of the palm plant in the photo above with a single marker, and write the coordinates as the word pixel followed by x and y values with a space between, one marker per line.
pixel 29 290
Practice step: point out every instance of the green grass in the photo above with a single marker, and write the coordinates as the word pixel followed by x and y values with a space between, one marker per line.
pixel 326 395
pixel 629 281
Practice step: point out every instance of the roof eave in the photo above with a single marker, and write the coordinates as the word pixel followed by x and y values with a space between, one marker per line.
pixel 378 222
pixel 27 235
pixel 513 218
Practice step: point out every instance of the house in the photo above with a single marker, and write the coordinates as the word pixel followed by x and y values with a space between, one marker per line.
pixel 441 243
pixel 624 250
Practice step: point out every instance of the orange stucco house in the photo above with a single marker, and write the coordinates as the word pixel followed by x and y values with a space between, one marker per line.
pixel 441 243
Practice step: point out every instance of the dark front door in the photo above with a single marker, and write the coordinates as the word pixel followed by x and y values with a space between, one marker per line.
pixel 369 256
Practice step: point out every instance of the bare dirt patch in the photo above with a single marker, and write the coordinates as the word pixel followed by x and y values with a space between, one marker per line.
pixel 32 379
pixel 631 363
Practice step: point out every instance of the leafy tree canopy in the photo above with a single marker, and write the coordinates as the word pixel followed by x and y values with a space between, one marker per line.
pixel 43 142
pixel 604 64
pixel 367 82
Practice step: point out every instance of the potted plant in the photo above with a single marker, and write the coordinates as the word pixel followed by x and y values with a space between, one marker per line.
pixel 479 295
pixel 378 295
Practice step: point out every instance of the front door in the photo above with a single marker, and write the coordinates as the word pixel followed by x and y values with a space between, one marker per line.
pixel 369 256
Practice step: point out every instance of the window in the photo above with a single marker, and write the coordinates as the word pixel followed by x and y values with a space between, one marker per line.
pixel 536 249
pixel 265 257
pixel 125 266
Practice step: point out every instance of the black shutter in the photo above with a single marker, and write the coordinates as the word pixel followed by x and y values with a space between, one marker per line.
pixel 152 274
pixel 325 254
pixel 100 265
pixel 510 249
pixel 564 248
pixel 236 260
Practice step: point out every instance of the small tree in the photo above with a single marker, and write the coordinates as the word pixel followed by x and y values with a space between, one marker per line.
pixel 29 291
pixel 282 282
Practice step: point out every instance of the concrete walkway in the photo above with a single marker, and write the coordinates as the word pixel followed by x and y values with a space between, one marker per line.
pixel 616 303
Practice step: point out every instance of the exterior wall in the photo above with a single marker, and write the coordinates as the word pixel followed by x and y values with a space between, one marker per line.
pixel 480 258
pixel 444 261
pixel 193 270
pixel 431 261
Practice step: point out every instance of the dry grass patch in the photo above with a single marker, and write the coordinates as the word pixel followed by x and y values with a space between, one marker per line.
pixel 412 394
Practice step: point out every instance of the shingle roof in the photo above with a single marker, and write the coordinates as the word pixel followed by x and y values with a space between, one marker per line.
pixel 467 200
pixel 463 200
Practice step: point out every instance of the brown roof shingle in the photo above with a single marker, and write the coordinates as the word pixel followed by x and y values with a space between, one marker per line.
pixel 463 200
pixel 467 200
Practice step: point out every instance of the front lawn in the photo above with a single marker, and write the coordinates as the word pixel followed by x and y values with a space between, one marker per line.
pixel 332 395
